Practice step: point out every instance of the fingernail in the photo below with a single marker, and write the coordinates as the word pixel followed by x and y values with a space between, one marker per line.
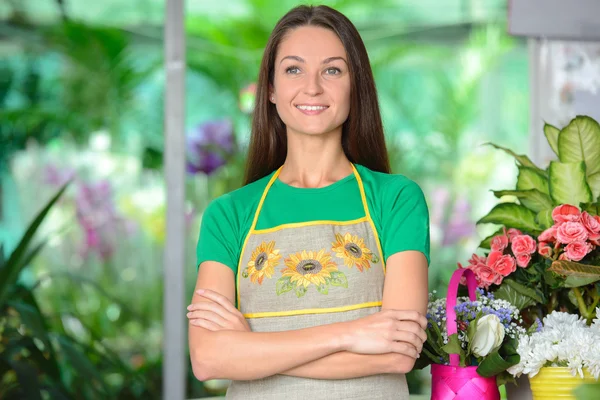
pixel 188 314
pixel 188 307
pixel 200 291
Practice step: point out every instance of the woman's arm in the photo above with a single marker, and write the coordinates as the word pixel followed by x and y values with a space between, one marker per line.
pixel 242 355
pixel 405 288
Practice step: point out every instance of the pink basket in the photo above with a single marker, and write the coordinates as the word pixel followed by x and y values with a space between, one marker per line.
pixel 452 382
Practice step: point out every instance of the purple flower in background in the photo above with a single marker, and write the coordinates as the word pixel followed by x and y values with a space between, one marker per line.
pixel 460 224
pixel 98 219
pixel 55 176
pixel 208 145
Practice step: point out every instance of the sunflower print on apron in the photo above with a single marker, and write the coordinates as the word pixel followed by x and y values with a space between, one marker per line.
pixel 301 275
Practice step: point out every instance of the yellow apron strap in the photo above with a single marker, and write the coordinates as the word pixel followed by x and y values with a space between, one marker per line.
pixel 368 214
pixel 252 227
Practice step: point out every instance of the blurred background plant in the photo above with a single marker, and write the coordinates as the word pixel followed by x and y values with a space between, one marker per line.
pixel 81 100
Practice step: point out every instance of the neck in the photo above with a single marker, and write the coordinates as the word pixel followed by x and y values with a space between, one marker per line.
pixel 314 161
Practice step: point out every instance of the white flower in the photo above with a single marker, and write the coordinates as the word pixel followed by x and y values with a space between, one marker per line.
pixel 489 334
pixel 564 340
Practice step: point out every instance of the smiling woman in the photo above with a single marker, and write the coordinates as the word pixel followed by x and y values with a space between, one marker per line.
pixel 312 279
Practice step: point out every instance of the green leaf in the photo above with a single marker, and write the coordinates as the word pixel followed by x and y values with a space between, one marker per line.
pixel 516 298
pixel 80 362
pixel 524 290
pixel 283 285
pixel 301 291
pixel 577 274
pixel 551 133
pixel 27 376
pixel 487 242
pixel 22 255
pixel 530 178
pixel 522 159
pixel 338 278
pixel 323 289
pixel 544 219
pixel 594 182
pixel 568 184
pixel 587 391
pixel 453 347
pixel 512 216
pixel 532 198
pixel 591 208
pixel 580 142
pixel 499 360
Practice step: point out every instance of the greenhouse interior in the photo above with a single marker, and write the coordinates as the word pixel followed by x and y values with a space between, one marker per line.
pixel 111 149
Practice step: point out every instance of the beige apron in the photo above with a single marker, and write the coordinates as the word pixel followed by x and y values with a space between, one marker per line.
pixel 306 274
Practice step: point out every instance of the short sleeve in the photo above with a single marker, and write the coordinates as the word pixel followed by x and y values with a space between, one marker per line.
pixel 218 239
pixel 405 220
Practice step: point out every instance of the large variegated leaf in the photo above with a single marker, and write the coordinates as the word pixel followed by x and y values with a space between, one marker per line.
pixel 551 132
pixel 530 178
pixel 577 274
pixel 580 141
pixel 522 159
pixel 594 182
pixel 568 184
pixel 544 219
pixel 512 215
pixel 532 199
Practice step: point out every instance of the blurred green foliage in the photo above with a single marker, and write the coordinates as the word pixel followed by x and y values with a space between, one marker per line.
pixel 448 79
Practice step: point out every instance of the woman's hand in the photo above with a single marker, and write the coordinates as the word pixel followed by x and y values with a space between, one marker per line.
pixel 216 314
pixel 387 331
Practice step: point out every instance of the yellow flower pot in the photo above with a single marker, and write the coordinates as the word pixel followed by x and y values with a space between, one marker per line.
pixel 557 383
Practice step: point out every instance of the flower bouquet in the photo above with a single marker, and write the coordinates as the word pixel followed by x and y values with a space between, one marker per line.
pixel 471 341
pixel 559 355
pixel 546 254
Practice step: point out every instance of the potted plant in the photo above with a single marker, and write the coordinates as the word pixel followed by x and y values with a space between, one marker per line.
pixel 545 256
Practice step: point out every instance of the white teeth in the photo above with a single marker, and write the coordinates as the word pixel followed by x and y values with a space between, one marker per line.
pixel 311 108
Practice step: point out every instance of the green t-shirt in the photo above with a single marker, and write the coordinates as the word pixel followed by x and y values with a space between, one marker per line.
pixel 396 204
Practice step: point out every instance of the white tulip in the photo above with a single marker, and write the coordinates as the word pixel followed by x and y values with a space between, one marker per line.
pixel 489 334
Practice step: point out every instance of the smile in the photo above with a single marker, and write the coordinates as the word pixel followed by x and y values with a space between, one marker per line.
pixel 311 110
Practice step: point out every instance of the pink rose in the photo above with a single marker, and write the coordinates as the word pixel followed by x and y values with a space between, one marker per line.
pixel 577 250
pixel 475 259
pixel 487 276
pixel 563 257
pixel 544 249
pixel 512 232
pixel 549 235
pixel 569 232
pixel 523 260
pixel 566 213
pixel 500 263
pixel 523 244
pixel 592 224
pixel 499 243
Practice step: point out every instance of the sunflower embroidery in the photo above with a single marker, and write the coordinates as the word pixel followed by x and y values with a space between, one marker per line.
pixel 262 262
pixel 310 267
pixel 353 251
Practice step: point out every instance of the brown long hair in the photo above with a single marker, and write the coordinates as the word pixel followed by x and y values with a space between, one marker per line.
pixel 363 140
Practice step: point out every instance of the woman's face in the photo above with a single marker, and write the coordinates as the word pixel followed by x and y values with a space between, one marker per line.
pixel 311 86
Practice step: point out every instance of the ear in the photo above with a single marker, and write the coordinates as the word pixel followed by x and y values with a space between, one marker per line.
pixel 271 94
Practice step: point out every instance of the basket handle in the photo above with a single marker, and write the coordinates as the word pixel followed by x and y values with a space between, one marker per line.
pixel 451 303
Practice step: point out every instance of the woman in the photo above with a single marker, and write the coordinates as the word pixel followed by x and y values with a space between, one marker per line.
pixel 312 277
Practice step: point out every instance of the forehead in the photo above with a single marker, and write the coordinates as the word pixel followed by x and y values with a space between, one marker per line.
pixel 311 42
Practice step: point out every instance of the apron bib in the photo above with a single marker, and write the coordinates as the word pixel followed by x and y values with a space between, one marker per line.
pixel 301 275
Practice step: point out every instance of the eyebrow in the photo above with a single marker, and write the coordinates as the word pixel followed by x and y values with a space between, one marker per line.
pixel 325 61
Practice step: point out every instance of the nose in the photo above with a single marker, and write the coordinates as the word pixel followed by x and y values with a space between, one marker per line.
pixel 313 85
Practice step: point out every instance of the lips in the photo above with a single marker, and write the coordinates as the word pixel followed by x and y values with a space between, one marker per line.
pixel 311 109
